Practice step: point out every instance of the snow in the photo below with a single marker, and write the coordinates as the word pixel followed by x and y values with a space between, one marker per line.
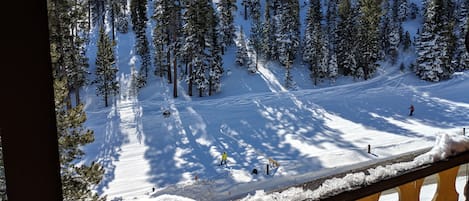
pixel 311 131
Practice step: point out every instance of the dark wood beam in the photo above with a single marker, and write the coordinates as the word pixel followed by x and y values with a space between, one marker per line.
pixel 28 127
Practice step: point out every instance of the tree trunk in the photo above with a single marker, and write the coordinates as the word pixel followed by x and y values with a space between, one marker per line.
pixel 257 58
pixel 190 79
pixel 89 15
pixel 245 11
pixel 175 90
pixel 77 95
pixel 467 41
pixel 103 13
pixel 69 100
pixel 105 100
pixel 168 60
pixel 210 86
pixel 112 21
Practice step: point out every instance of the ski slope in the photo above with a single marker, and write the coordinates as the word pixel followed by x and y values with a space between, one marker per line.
pixel 306 131
pixel 309 130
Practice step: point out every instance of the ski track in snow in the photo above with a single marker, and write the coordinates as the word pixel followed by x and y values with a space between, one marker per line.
pixel 127 175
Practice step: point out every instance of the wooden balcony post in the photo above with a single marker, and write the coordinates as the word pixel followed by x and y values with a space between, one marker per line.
pixel 410 191
pixel 446 190
pixel 374 197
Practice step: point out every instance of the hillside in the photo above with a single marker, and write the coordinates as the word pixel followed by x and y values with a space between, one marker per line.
pixel 308 130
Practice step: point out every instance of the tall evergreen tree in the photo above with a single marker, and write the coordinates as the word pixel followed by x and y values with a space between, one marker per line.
pixel 161 16
pixel 413 11
pixel 97 12
pixel 406 41
pixel 216 62
pixel 139 20
pixel 313 52
pixel 68 37
pixel 433 45
pixel 267 33
pixel 122 16
pixel 346 39
pixel 331 24
pixel 167 17
pixel 77 180
pixel 68 26
pixel 106 71
pixel 118 16
pixel 289 83
pixel 196 33
pixel 287 32
pixel 368 38
pixel 226 8
pixel 241 53
pixel 255 38
pixel 460 59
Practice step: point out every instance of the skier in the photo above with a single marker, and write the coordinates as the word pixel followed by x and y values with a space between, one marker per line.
pixel 224 157
pixel 411 110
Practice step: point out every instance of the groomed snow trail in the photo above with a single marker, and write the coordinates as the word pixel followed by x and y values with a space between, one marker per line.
pixel 131 171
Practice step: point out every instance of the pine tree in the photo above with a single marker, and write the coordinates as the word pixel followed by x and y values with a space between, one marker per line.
pixel 288 77
pixel 314 47
pixel 368 35
pixel 400 10
pixel 216 61
pixel 165 36
pixel 77 180
pixel 241 53
pixel 394 38
pixel 384 29
pixel 227 28
pixel 460 59
pixel 118 16
pixel 68 37
pixel 406 41
pixel 139 20
pixel 106 71
pixel 433 45
pixel 287 32
pixel 97 12
pixel 255 38
pixel 267 33
pixel 122 16
pixel 196 33
pixel 331 25
pixel 285 29
pixel 413 11
pixel 161 36
pixel 346 39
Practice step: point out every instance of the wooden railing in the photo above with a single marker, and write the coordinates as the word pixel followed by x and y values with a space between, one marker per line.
pixel 409 183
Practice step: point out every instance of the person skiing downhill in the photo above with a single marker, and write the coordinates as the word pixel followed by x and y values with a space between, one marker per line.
pixel 224 157
pixel 411 110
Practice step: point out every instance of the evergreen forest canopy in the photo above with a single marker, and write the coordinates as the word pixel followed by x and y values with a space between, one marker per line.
pixel 189 38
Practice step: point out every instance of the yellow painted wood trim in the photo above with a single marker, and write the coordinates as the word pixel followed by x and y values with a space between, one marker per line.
pixel 374 197
pixel 446 190
pixel 410 191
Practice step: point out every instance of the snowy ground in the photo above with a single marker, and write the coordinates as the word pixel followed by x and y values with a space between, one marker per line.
pixel 310 131
pixel 306 131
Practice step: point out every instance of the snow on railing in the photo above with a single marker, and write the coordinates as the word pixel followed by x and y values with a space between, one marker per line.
pixel 445 146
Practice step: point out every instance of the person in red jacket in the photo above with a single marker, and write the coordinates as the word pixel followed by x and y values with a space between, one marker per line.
pixel 411 110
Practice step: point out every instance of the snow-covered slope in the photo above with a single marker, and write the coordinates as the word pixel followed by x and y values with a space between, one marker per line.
pixel 309 131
